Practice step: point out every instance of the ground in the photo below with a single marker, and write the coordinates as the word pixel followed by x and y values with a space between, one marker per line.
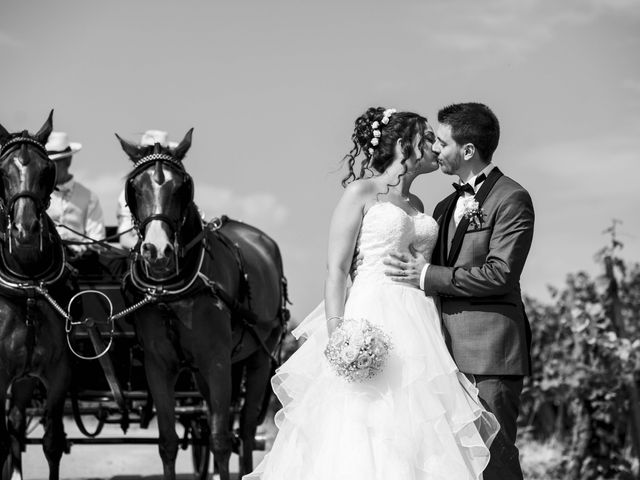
pixel 123 462
pixel 115 462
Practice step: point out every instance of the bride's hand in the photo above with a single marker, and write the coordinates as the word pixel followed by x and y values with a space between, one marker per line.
pixel 333 323
pixel 405 268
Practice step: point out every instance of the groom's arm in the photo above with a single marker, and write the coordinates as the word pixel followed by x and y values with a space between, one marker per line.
pixel 508 249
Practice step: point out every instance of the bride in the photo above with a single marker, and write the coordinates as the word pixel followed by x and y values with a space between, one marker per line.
pixel 419 418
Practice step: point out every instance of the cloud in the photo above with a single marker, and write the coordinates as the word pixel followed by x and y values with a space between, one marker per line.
pixel 602 165
pixel 503 27
pixel 7 41
pixel 626 7
pixel 261 209
pixel 632 84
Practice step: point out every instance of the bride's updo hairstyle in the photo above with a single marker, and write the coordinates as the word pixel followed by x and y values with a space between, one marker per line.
pixel 374 137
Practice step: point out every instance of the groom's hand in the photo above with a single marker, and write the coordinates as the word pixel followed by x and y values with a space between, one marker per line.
pixel 405 268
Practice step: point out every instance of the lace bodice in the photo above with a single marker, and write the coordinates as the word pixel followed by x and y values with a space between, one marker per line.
pixel 386 228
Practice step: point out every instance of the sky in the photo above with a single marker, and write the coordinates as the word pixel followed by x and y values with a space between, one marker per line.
pixel 272 90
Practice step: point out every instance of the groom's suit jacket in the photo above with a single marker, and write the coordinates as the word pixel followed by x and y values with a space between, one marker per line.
pixel 476 272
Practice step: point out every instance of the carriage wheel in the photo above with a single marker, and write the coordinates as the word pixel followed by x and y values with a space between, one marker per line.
pixel 200 452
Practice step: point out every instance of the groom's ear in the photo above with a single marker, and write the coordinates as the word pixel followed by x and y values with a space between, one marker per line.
pixel 469 150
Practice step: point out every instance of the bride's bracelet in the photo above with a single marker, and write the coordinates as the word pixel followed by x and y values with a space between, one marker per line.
pixel 340 319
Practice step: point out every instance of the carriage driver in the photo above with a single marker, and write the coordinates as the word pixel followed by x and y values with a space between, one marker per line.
pixel 72 204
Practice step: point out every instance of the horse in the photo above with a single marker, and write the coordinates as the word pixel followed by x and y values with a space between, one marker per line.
pixel 217 302
pixel 32 266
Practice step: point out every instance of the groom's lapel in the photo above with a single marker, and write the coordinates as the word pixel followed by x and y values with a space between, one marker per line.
pixel 480 197
pixel 440 250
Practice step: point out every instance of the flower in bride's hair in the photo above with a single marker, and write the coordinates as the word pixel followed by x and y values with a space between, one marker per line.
pixel 374 141
pixel 376 133
pixel 370 151
pixel 386 114
pixel 375 125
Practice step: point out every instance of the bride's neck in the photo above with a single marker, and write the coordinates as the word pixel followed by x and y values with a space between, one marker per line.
pixel 398 181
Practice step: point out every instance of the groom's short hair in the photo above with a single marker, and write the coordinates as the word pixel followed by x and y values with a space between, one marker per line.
pixel 472 123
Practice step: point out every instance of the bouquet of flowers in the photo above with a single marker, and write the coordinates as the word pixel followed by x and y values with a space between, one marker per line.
pixel 357 349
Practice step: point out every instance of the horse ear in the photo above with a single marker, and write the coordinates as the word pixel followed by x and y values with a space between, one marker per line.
pixel 43 134
pixel 184 146
pixel 4 135
pixel 131 149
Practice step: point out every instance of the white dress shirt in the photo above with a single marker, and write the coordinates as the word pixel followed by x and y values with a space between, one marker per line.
pixel 459 210
pixel 74 205
pixel 125 220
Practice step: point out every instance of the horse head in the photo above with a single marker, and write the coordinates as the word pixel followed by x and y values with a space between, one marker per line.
pixel 28 179
pixel 158 193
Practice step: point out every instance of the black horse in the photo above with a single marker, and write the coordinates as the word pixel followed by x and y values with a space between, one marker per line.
pixel 32 264
pixel 218 298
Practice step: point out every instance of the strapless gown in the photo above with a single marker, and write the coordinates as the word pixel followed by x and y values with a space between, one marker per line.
pixel 419 419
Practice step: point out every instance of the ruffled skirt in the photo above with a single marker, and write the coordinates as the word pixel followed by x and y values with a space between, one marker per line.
pixel 420 418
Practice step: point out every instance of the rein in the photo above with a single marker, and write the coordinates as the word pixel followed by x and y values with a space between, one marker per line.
pixel 92 241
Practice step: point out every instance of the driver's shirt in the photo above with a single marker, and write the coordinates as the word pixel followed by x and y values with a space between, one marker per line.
pixel 75 206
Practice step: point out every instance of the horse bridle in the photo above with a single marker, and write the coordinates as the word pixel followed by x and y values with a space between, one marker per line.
pixel 174 224
pixel 41 206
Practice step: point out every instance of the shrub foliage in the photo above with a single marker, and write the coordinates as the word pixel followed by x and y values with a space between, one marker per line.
pixel 586 358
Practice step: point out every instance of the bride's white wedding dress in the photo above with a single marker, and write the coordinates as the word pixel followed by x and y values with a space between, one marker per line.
pixel 419 418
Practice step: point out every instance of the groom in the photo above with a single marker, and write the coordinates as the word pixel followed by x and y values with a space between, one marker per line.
pixel 486 228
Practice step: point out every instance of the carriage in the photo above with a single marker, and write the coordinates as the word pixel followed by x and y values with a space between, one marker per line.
pixel 186 328
pixel 109 386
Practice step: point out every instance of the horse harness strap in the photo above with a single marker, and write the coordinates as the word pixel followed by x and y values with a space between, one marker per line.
pixel 30 341
pixel 248 316
pixel 160 294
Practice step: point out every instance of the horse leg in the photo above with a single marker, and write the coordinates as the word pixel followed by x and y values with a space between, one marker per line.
pixel 258 371
pixel 58 378
pixel 216 371
pixel 21 394
pixel 5 441
pixel 162 377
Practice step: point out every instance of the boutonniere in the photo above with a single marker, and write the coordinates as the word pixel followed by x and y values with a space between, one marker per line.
pixel 473 212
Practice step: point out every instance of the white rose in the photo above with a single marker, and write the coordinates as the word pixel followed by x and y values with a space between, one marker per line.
pixel 350 354
pixel 374 141
pixel 385 120
pixel 376 133
pixel 375 125
pixel 470 204
pixel 364 361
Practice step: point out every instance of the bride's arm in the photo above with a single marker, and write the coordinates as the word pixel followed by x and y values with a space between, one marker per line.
pixel 343 234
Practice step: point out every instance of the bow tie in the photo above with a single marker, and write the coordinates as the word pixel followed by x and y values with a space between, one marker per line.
pixel 464 188
pixel 467 188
